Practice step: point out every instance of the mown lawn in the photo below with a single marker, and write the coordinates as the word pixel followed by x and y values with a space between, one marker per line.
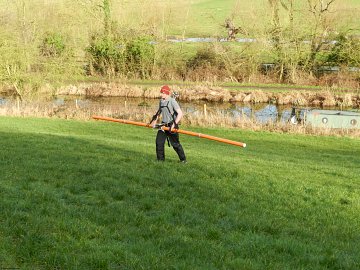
pixel 90 195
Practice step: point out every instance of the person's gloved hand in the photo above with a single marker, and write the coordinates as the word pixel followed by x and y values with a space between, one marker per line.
pixel 174 126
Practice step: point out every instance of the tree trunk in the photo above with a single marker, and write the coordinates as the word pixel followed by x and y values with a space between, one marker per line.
pixel 107 17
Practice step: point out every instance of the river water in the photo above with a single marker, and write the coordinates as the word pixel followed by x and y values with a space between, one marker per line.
pixel 261 112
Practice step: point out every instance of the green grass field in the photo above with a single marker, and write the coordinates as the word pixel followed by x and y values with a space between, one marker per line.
pixel 206 17
pixel 90 195
pixel 190 17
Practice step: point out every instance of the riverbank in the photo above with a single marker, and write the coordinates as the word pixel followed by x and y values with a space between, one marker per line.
pixel 230 107
pixel 280 95
pixel 260 117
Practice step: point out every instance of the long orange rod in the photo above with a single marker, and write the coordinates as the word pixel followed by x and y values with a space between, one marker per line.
pixel 200 135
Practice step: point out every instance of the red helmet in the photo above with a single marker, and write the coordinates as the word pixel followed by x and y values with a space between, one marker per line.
pixel 165 90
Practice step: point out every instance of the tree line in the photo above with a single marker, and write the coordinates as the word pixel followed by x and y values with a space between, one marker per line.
pixel 296 40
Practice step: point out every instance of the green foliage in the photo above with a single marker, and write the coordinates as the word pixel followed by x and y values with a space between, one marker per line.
pixel 204 57
pixel 53 45
pixel 206 64
pixel 140 57
pixel 346 51
pixel 14 69
pixel 121 49
pixel 114 56
pixel 170 63
pixel 105 55
pixel 90 195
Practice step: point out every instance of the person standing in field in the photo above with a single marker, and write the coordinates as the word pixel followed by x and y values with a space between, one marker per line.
pixel 171 115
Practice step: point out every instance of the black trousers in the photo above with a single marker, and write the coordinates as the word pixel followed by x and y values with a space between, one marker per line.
pixel 174 141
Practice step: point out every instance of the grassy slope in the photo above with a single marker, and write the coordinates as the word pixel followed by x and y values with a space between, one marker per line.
pixel 88 195
pixel 207 16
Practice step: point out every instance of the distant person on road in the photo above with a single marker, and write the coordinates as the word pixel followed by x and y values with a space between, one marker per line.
pixel 171 115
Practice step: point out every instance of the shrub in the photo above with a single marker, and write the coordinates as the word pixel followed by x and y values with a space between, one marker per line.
pixel 205 65
pixel 52 45
pixel 140 57
pixel 345 51
pixel 170 63
pixel 105 55
pixel 204 57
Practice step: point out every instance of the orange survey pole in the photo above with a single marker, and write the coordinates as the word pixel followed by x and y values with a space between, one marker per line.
pixel 200 135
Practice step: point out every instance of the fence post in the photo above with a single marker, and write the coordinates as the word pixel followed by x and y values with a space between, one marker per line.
pixel 18 103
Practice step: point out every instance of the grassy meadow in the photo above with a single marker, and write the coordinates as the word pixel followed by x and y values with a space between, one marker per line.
pixel 90 195
pixel 195 17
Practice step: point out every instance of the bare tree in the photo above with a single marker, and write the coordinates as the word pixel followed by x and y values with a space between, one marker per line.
pixel 283 36
pixel 107 17
pixel 288 5
pixel 276 36
pixel 321 27
pixel 95 7
pixel 275 21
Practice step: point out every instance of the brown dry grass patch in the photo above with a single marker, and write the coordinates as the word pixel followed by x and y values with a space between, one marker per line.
pixel 215 118
pixel 211 93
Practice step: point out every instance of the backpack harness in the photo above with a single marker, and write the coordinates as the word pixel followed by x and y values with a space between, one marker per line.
pixel 173 115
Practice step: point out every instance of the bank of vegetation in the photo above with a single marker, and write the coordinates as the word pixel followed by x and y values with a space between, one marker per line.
pixel 211 93
pixel 290 41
